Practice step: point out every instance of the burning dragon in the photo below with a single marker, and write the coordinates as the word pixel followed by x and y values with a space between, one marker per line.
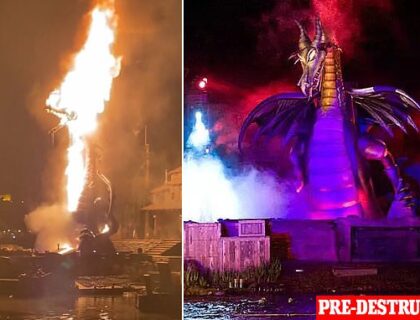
pixel 330 145
pixel 78 102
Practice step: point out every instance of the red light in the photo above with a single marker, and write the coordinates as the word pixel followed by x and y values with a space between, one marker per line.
pixel 202 83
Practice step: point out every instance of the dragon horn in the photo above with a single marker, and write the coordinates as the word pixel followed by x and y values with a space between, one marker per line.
pixel 304 40
pixel 320 36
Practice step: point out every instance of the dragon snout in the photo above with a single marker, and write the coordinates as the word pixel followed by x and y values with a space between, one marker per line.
pixel 306 88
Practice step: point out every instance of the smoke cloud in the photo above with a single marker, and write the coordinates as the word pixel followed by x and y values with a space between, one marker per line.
pixel 147 93
pixel 341 19
pixel 54 227
pixel 211 191
pixel 39 40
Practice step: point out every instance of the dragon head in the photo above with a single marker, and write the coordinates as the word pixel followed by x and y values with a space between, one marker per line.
pixel 311 56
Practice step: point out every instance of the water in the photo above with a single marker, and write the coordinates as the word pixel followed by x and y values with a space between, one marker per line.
pixel 300 307
pixel 78 308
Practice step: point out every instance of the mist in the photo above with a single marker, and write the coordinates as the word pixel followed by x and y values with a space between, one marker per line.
pixel 54 227
pixel 212 191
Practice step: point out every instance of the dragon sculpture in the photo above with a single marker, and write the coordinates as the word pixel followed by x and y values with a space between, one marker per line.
pixel 330 147
pixel 94 211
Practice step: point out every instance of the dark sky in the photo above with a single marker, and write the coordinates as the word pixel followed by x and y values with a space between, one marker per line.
pixel 243 46
pixel 37 41
pixel 247 43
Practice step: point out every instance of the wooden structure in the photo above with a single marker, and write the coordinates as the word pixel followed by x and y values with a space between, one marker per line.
pixel 227 245
pixel 239 244
pixel 162 217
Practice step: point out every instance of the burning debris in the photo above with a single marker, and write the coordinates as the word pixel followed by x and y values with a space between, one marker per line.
pixel 78 102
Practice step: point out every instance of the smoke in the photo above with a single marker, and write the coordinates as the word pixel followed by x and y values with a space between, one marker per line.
pixel 34 37
pixel 211 191
pixel 146 93
pixel 208 194
pixel 53 225
pixel 277 31
pixel 342 19
pixel 39 39
pixel 261 194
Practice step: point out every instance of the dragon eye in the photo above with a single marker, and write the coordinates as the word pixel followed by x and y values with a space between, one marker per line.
pixel 311 55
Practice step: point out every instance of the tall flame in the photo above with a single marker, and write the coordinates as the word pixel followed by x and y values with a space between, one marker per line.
pixel 82 95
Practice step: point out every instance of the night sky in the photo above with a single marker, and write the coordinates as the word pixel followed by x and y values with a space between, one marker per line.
pixel 38 39
pixel 243 48
pixel 247 43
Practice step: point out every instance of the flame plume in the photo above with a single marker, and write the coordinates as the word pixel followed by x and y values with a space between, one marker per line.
pixel 82 95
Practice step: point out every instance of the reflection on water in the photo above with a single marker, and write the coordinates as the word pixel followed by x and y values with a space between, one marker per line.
pixel 83 308
pixel 300 307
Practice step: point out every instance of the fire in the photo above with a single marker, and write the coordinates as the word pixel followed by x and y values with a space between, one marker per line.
pixel 82 95
pixel 65 248
pixel 105 229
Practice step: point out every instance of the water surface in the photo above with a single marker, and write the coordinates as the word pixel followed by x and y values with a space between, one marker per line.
pixel 301 307
pixel 73 308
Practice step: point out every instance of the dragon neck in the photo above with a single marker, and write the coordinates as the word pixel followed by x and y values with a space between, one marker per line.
pixel 332 82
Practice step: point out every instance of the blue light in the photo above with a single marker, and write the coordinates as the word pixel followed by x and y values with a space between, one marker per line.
pixel 199 137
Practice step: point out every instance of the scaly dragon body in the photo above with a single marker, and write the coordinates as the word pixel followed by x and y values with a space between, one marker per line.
pixel 333 188
pixel 329 149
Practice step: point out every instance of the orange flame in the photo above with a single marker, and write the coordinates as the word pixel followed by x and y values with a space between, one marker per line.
pixel 65 248
pixel 82 95
pixel 105 229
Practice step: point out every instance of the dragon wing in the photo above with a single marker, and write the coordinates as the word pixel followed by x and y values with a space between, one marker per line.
pixel 280 114
pixel 386 106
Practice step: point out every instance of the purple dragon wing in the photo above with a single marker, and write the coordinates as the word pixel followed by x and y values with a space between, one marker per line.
pixel 386 106
pixel 278 115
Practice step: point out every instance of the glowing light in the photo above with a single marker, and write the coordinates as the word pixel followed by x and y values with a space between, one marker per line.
pixel 200 136
pixel 349 204
pixel 82 95
pixel 202 84
pixel 211 193
pixel 105 229
pixel 65 248
pixel 208 193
